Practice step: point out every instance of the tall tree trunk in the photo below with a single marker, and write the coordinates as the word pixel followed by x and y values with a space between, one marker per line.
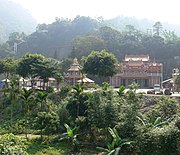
pixel 12 113
pixel 26 134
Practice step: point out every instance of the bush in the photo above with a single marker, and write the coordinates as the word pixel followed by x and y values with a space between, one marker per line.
pixel 12 145
pixel 159 141
pixel 49 89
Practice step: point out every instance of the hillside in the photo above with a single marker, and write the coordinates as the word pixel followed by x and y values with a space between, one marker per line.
pixel 120 22
pixel 78 37
pixel 14 18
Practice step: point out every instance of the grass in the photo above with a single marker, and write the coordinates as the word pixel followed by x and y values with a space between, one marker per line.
pixel 35 146
pixel 53 147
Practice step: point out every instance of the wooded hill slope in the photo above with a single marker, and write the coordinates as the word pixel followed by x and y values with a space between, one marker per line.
pixel 78 37
pixel 14 18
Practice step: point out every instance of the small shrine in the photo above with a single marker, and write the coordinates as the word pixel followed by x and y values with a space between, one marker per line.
pixel 74 76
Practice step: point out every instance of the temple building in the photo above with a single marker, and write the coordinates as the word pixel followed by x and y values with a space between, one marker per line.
pixel 74 76
pixel 139 69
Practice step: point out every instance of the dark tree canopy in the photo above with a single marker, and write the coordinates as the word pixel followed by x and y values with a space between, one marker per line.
pixel 25 65
pixel 101 63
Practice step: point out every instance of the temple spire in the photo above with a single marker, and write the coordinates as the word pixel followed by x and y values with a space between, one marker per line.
pixel 75 61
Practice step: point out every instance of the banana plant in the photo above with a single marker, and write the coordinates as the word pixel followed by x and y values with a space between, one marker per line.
pixel 152 124
pixel 116 145
pixel 71 136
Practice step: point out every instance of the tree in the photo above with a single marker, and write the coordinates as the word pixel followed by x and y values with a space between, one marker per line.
pixel 170 36
pixel 111 38
pixel 41 98
pixel 16 37
pixel 47 121
pixel 26 64
pixel 13 91
pixel 101 64
pixel 77 102
pixel 83 45
pixel 77 94
pixel 26 96
pixel 177 81
pixel 103 109
pixel 45 69
pixel 157 27
pixel 8 68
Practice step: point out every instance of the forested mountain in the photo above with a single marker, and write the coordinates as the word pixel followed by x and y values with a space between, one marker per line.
pixel 78 37
pixel 55 39
pixel 14 18
pixel 120 22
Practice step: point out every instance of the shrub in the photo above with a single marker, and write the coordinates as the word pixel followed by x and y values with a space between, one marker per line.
pixel 12 145
pixel 159 141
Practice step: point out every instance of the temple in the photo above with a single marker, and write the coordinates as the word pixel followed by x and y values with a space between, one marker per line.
pixel 139 69
pixel 74 76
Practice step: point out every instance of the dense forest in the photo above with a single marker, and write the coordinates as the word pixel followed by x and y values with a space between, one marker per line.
pixel 98 123
pixel 82 119
pixel 78 37
pixel 14 18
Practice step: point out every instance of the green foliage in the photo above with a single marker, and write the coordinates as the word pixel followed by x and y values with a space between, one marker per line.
pixel 49 89
pixel 165 108
pixel 114 148
pixel 45 69
pixel 57 97
pixel 158 141
pixel 26 96
pixel 177 80
pixel 158 123
pixel 41 98
pixel 157 28
pixel 77 105
pixel 47 121
pixel 10 144
pixel 64 116
pixel 102 109
pixel 129 110
pixel 8 67
pixel 101 64
pixel 83 45
pixel 17 127
pixel 121 91
pixel 71 136
pixel 50 147
pixel 26 64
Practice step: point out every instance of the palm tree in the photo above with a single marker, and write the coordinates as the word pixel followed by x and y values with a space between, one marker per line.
pixel 13 90
pixel 41 98
pixel 77 93
pixel 26 96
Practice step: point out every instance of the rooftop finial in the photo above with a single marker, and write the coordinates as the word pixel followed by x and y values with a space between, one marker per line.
pixel 75 61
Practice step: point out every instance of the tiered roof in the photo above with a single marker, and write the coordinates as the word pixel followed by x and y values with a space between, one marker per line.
pixel 75 66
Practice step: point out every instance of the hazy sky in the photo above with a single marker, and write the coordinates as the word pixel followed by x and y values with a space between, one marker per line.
pixel 157 10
